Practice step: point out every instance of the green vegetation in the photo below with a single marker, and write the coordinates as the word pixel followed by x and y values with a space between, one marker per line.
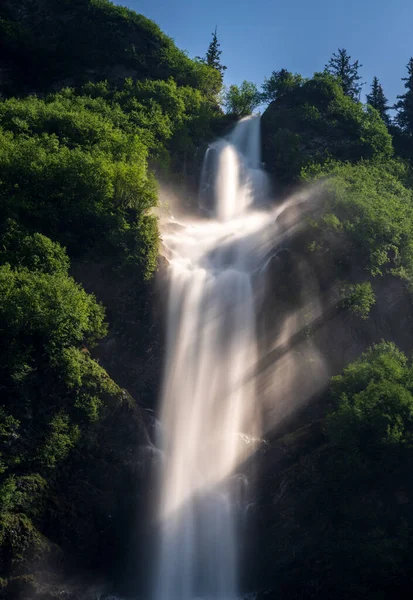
pixel 359 298
pixel 278 84
pixel 87 178
pixel 378 100
pixel 350 496
pixel 54 43
pixel 96 104
pixel 213 55
pixel 346 72
pixel 242 100
pixel 368 205
pixel 343 522
pixel 312 121
pixel 404 105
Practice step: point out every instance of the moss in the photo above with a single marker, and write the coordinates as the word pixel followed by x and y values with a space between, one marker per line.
pixel 30 492
pixel 21 543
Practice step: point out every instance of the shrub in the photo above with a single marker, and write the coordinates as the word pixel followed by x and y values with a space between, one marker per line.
pixel 359 298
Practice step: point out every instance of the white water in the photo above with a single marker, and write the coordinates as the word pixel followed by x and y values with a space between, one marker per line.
pixel 209 417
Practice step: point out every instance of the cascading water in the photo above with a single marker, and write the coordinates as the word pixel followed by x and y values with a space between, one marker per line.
pixel 209 416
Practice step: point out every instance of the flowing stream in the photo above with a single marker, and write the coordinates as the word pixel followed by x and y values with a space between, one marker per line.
pixel 209 417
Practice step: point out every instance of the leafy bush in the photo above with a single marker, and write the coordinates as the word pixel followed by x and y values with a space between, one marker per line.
pixel 35 252
pixel 359 298
pixel 70 173
pixel 373 209
pixel 43 318
pixel 242 100
pixel 374 403
pixel 49 308
pixel 60 439
pixel 346 504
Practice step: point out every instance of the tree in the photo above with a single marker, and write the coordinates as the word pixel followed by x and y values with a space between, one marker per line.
pixel 242 100
pixel 213 55
pixel 315 121
pixel 278 84
pixel 340 66
pixel 404 106
pixel 378 100
pixel 358 297
pixel 373 403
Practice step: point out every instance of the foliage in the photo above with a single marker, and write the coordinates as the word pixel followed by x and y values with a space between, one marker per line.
pixel 52 308
pixel 83 164
pixel 359 298
pixel 60 439
pixel 346 503
pixel 373 210
pixel 278 84
pixel 8 435
pixel 378 100
pixel 242 100
pixel 35 252
pixel 77 186
pixel 374 404
pixel 179 119
pixel 315 121
pixel 56 402
pixel 404 106
pixel 43 316
pixel 91 40
pixel 213 55
pixel 347 73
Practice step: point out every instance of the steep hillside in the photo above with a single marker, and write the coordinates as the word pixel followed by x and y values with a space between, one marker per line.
pixel 97 107
pixel 334 503
pixel 49 44
pixel 81 363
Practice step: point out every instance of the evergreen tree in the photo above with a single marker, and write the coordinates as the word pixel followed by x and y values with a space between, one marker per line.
pixel 340 66
pixel 405 104
pixel 378 100
pixel 213 55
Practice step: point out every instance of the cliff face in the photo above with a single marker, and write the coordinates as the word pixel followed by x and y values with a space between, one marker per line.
pixel 338 282
pixel 332 519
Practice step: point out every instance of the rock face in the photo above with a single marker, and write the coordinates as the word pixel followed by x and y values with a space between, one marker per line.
pixel 132 352
pixel 88 522
pixel 306 338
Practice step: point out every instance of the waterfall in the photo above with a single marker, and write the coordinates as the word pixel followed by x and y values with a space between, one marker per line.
pixel 209 417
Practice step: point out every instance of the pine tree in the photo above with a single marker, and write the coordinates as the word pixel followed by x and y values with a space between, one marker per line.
pixel 378 100
pixel 404 106
pixel 340 66
pixel 212 57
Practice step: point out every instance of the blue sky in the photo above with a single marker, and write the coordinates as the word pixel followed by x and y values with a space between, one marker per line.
pixel 299 35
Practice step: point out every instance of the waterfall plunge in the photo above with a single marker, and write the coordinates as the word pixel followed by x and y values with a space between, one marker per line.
pixel 209 415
